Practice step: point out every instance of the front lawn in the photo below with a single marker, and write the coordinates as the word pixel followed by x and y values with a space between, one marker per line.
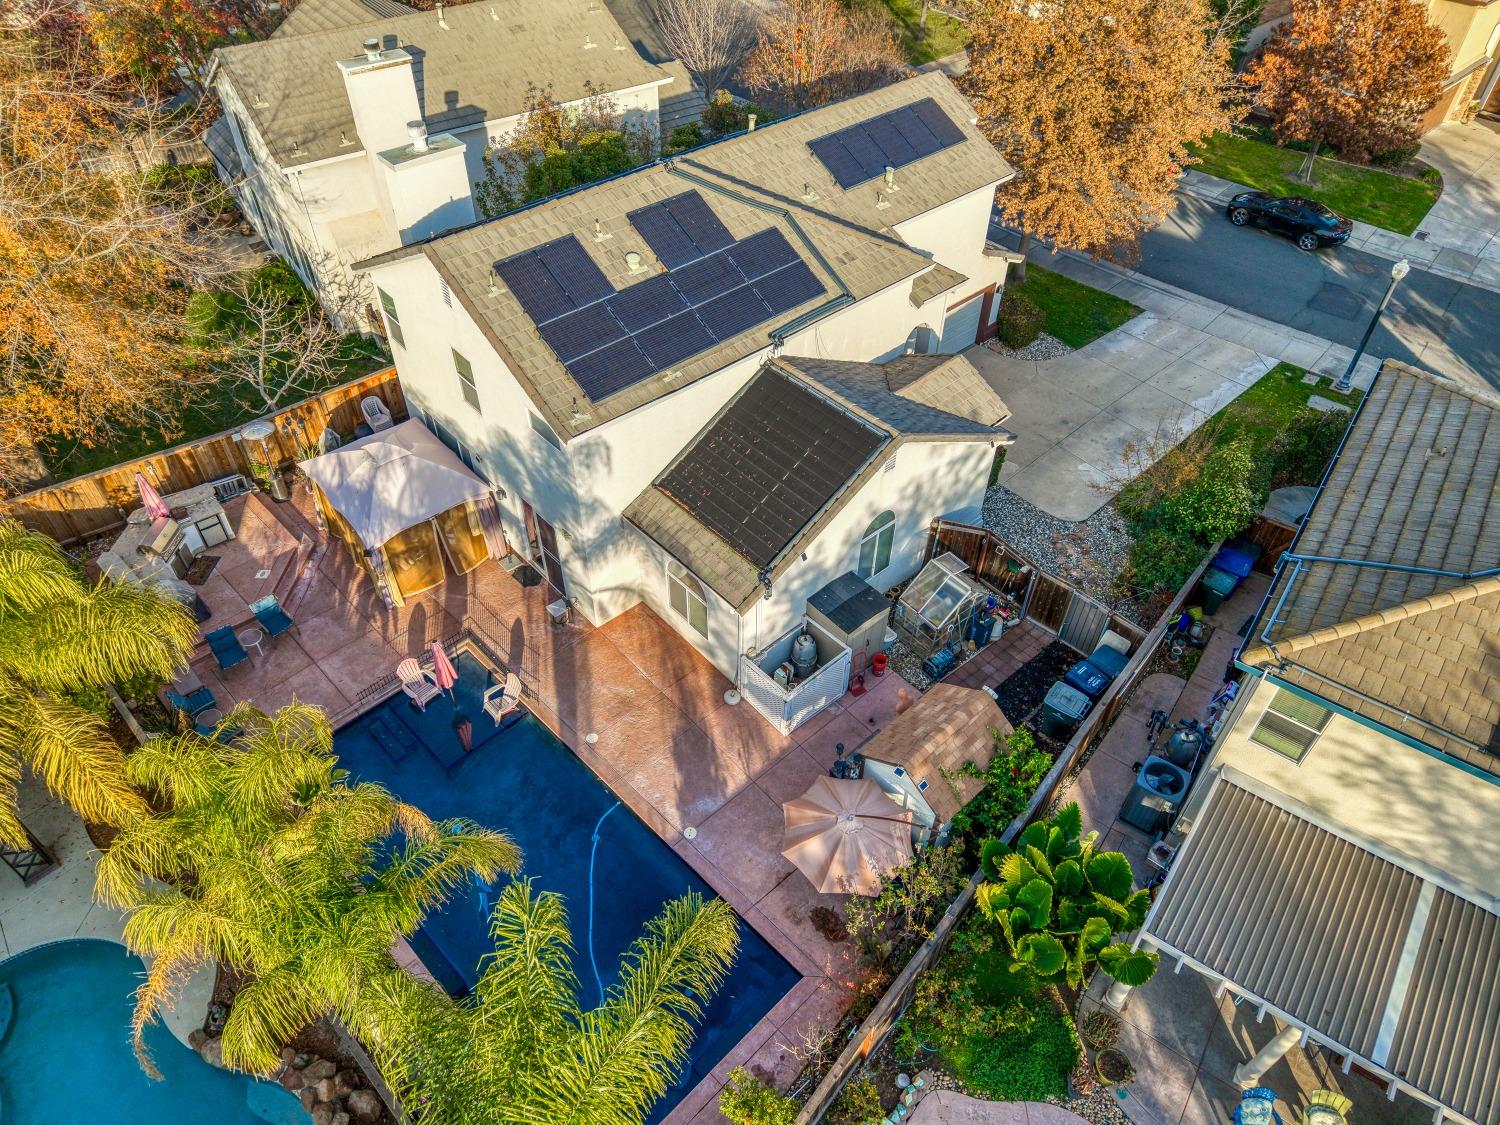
pixel 943 36
pixel 1382 199
pixel 1076 313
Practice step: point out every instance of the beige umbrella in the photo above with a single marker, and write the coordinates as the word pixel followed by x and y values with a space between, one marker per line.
pixel 845 835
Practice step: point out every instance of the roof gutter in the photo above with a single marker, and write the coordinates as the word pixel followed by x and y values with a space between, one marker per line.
pixel 844 297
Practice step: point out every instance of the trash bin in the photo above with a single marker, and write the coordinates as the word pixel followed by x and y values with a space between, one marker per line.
pixel 1063 709
pixel 1110 661
pixel 1235 562
pixel 1087 679
pixel 1217 586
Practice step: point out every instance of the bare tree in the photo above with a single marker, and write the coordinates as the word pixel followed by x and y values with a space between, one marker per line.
pixel 710 37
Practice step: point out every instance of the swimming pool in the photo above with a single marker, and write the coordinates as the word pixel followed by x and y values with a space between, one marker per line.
pixel 66 1059
pixel 522 779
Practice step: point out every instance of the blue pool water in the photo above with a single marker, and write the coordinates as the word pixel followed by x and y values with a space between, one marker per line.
pixel 66 1058
pixel 520 778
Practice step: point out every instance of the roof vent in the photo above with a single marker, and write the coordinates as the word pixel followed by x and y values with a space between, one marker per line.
pixel 417 131
pixel 749 122
pixel 618 45
pixel 808 195
pixel 890 179
pixel 494 15
pixel 600 235
pixel 588 43
pixel 442 21
pixel 633 262
pixel 881 202
pixel 372 49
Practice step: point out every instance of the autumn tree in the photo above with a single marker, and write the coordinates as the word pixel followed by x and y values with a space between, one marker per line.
pixel 812 52
pixel 1094 103
pixel 1354 74
pixel 709 37
pixel 94 263
pixel 152 38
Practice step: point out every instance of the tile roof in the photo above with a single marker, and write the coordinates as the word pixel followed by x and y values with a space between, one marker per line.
pixel 945 730
pixel 851 246
pixel 479 68
pixel 1318 926
pixel 1417 484
pixel 324 15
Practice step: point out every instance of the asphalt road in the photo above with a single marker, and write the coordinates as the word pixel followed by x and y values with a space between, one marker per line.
pixel 1441 324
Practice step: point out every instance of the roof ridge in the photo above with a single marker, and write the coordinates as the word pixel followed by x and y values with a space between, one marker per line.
pixel 1482 395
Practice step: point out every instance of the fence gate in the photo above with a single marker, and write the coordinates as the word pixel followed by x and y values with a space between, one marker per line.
pixel 1083 624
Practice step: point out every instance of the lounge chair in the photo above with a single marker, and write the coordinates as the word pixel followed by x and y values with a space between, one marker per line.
pixel 270 616
pixel 503 698
pixel 416 684
pixel 193 702
pixel 1326 1107
pixel 1257 1107
pixel 226 647
pixel 375 413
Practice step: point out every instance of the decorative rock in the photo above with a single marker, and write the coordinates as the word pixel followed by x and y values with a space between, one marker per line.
pixel 287 1057
pixel 196 1038
pixel 212 1052
pixel 365 1107
pixel 302 1060
pixel 340 1118
pixel 327 1089
pixel 308 1097
pixel 322 1115
pixel 319 1070
pixel 351 1078
pixel 291 1079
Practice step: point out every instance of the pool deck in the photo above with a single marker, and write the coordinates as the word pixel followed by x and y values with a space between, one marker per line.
pixel 667 744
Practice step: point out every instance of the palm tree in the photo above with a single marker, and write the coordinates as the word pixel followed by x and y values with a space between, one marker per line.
pixel 62 639
pixel 269 862
pixel 522 1050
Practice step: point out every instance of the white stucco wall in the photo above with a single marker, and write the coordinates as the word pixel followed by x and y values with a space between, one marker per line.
pixel 1381 792
pixel 954 234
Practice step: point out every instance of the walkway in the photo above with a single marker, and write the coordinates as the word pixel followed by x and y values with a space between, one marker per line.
pixel 946 1107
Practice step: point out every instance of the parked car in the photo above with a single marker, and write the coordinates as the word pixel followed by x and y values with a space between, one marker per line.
pixel 1308 223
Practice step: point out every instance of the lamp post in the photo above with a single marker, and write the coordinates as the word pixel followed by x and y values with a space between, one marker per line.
pixel 1346 380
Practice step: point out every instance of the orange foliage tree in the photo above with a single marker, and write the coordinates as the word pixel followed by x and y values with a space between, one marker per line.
pixel 1355 74
pixel 151 38
pixel 811 52
pixel 94 266
pixel 1094 102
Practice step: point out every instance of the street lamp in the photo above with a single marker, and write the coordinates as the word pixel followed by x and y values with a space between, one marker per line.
pixel 1346 380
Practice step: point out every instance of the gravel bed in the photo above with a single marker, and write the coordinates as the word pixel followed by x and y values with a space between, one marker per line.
pixel 1090 554
pixel 1102 1107
pixel 1043 347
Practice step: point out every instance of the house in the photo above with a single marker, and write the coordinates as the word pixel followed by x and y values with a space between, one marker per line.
pixel 717 383
pixel 1340 868
pixel 360 125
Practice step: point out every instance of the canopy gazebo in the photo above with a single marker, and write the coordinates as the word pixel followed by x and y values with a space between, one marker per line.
pixel 407 508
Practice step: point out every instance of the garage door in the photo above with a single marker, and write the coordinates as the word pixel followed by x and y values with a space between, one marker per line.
pixel 961 328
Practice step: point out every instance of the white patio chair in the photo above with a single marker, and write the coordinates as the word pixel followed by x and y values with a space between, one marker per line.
pixel 376 414
pixel 415 683
pixel 503 698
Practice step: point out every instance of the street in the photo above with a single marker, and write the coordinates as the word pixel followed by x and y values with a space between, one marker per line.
pixel 1433 321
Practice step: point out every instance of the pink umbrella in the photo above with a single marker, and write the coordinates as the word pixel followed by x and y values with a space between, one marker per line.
pixel 155 506
pixel 443 672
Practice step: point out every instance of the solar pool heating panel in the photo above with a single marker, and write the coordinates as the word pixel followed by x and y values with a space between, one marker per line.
pixel 646 303
pixel 582 331
pixel 610 369
pixel 672 341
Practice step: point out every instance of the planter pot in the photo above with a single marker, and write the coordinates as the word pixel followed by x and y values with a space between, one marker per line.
pixel 1113 1067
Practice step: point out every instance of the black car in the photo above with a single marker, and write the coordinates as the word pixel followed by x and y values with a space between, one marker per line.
pixel 1306 222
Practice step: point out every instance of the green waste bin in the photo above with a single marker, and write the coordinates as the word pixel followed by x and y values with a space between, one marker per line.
pixel 1217 586
pixel 1063 709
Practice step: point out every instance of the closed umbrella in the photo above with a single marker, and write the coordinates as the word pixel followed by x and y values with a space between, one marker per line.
pixel 155 506
pixel 443 672
pixel 845 836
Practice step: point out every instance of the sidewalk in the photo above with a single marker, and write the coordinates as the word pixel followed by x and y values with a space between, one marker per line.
pixel 1441 245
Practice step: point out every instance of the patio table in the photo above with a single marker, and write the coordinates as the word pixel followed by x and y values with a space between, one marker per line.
pixel 251 638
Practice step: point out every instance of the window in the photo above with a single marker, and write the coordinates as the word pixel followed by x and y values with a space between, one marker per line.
pixel 392 321
pixel 466 380
pixel 539 424
pixel 451 440
pixel 1290 725
pixel 875 546
pixel 685 595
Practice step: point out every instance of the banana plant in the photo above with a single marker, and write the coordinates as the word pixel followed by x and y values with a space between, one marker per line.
pixel 1058 901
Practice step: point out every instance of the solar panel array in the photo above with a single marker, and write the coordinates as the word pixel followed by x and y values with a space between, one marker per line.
pixel 859 153
pixel 715 287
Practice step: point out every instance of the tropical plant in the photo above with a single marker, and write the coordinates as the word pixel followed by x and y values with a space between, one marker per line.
pixel 268 861
pixel 62 641
pixel 523 1049
pixel 1058 901
pixel 746 1100
pixel 1009 781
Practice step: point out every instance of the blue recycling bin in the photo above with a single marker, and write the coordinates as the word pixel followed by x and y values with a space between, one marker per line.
pixel 1234 562
pixel 1110 661
pixel 1087 679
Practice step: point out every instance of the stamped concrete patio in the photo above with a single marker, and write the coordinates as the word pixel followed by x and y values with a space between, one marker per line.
pixel 642 708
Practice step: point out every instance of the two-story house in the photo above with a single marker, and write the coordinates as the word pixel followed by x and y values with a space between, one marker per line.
pixel 624 363
pixel 360 125
pixel 1341 864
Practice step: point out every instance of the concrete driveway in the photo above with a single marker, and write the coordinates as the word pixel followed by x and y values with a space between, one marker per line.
pixel 1466 216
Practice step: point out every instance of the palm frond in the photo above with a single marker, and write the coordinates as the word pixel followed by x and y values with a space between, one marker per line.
pixel 267 1013
pixel 74 754
pixel 34 573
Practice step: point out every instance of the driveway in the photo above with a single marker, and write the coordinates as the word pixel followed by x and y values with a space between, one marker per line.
pixel 1466 216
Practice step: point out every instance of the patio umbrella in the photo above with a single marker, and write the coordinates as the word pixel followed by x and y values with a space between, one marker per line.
pixel 443 672
pixel 846 835
pixel 155 506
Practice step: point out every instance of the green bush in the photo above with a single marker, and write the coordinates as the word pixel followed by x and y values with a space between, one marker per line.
pixel 1162 558
pixel 1431 175
pixel 858 1103
pixel 173 183
pixel 1021 320
pixel 1218 502
pixel 746 1100
pixel 685 137
pixel 1028 1062
pixel 1396 157
pixel 725 115
pixel 1009 781
pixel 1302 450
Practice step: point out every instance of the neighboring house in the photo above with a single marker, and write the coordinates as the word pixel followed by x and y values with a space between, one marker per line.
pixel 619 362
pixel 1341 865
pixel 360 125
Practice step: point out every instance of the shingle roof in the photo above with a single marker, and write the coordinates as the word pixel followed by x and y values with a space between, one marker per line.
pixel 919 396
pixel 1417 485
pixel 939 279
pixel 479 68
pixel 1318 926
pixel 324 15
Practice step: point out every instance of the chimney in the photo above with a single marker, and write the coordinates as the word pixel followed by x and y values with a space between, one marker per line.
pixel 372 49
pixel 382 94
pixel 417 131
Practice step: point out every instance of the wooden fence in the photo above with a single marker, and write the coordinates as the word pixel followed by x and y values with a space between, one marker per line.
pixel 1274 538
pixel 89 505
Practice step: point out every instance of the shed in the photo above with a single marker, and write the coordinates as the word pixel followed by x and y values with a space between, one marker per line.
pixel 854 612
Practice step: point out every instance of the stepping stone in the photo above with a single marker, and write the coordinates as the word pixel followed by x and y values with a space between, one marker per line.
pixel 1318 402
pixel 1312 380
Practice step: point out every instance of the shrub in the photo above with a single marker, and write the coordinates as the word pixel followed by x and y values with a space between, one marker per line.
pixel 1009 781
pixel 1021 320
pixel 858 1103
pixel 1396 157
pixel 1218 502
pixel 911 900
pixel 725 115
pixel 1431 175
pixel 1302 450
pixel 685 137
pixel 1028 1062
pixel 1162 558
pixel 746 1100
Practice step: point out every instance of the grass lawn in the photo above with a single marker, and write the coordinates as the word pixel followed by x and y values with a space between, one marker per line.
pixel 1380 198
pixel 944 34
pixel 1076 313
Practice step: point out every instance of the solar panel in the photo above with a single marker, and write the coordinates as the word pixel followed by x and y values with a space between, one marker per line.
pixel 859 153
pixel 573 270
pixel 580 332
pixel 533 285
pixel 611 369
pixel 701 225
pixel 707 278
pixel 788 287
pixel 734 312
pixel 672 341
pixel 646 302
pixel 761 253
pixel 665 236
